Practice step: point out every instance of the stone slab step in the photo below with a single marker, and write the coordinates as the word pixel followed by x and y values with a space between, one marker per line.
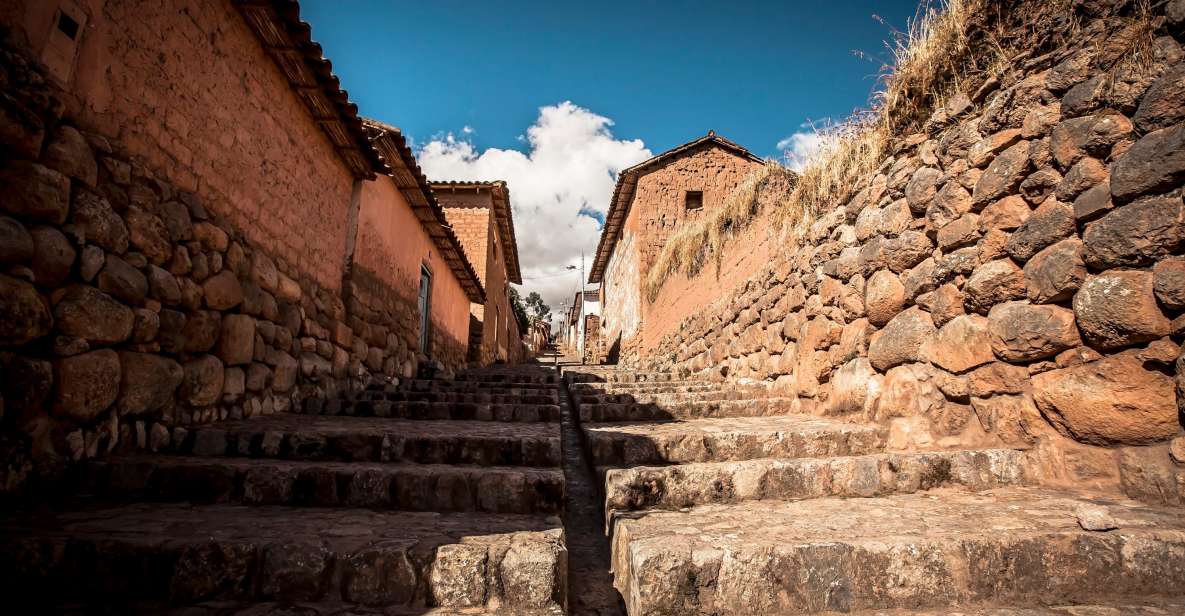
pixel 285 608
pixel 409 487
pixel 1011 546
pixel 1122 608
pixel 725 439
pixel 518 412
pixel 686 485
pixel 190 553
pixel 538 377
pixel 358 439
pixel 752 407
pixel 520 396
pixel 589 375
pixel 580 389
pixel 465 386
pixel 664 399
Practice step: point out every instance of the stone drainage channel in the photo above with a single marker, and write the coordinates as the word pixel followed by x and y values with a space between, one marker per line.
pixel 590 582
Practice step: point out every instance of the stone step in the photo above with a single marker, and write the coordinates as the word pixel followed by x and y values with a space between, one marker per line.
pixel 188 553
pixel 665 398
pixel 514 412
pixel 647 388
pixel 519 397
pixel 752 407
pixel 725 439
pixel 686 485
pixel 587 375
pixel 1133 607
pixel 368 439
pixel 465 386
pixel 409 487
pixel 1010 546
pixel 511 376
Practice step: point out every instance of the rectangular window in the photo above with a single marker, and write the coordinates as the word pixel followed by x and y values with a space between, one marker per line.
pixel 693 199
pixel 425 305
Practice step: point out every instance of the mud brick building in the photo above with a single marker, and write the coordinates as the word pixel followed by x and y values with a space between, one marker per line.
pixel 198 226
pixel 480 215
pixel 650 203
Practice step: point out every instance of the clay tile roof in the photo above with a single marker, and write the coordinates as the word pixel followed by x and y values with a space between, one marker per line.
pixel 623 194
pixel 409 179
pixel 503 213
pixel 288 40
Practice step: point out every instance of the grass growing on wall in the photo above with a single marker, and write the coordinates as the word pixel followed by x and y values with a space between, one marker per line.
pixel 930 61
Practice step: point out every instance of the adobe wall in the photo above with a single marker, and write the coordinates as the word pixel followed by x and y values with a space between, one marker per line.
pixel 1014 275
pixel 134 308
pixel 470 214
pixel 390 249
pixel 621 295
pixel 186 89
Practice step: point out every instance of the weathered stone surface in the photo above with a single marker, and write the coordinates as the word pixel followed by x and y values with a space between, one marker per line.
pixel 53 256
pixel 89 313
pixel 67 152
pixel 1024 332
pixel 148 383
pixel 26 387
pixel 992 283
pixel 1168 281
pixel 86 385
pixel 996 378
pixel 148 233
pixel 202 382
pixel 948 205
pixel 1093 203
pixel 35 193
pixel 223 291
pixel 123 281
pixel 960 232
pixel 1113 401
pixel 853 386
pixel 1004 175
pixel 1136 234
pixel 1014 419
pixel 1118 308
pixel 16 245
pixel 922 188
pixel 211 236
pixel 163 286
pixel 1154 164
pixel 146 327
pixel 1094 135
pixel 1006 214
pixel 919 279
pixel 901 339
pixel 1085 174
pixel 457 576
pixel 884 297
pixel 1161 106
pixel 285 369
pixel 946 304
pixel 530 574
pixel 961 344
pixel 201 330
pixel 1040 185
pixel 177 221
pixel 236 345
pixel 24 314
pixel 980 153
pixel 96 223
pixel 1051 222
pixel 1055 273
pixel 1069 72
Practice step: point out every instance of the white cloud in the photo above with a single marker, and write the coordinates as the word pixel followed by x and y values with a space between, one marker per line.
pixel 468 130
pixel 801 147
pixel 567 175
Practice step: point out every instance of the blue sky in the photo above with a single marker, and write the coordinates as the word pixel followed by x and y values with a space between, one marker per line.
pixel 556 98
pixel 663 72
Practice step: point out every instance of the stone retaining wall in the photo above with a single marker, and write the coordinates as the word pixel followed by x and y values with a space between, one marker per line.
pixel 1013 274
pixel 130 310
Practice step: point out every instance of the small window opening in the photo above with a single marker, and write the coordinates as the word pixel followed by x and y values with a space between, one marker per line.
pixel 67 25
pixel 693 200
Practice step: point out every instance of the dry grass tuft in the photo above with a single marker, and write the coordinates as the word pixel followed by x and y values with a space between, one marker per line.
pixel 689 249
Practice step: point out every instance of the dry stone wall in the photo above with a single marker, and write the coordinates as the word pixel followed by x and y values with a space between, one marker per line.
pixel 130 311
pixel 1013 274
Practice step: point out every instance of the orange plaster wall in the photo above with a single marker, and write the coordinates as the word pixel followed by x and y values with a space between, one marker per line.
pixel 184 87
pixel 392 245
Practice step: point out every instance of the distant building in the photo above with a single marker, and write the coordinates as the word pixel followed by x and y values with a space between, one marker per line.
pixel 574 326
pixel 650 203
pixel 480 214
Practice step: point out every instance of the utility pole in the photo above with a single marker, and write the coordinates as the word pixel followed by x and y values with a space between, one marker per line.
pixel 583 333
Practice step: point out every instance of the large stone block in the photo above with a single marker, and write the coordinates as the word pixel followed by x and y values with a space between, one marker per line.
pixel 1113 401
pixel 961 344
pixel 1155 163
pixel 88 313
pixel 68 153
pixel 24 314
pixel 95 222
pixel 148 233
pixel 16 245
pixel 1118 308
pixel 148 384
pixel 236 345
pixel 202 381
pixel 223 291
pixel 1136 234
pixel 1055 273
pixel 1050 223
pixel 884 297
pixel 901 339
pixel 123 281
pixel 1024 332
pixel 87 385
pixel 53 256
pixel 34 192
pixel 992 283
pixel 1003 175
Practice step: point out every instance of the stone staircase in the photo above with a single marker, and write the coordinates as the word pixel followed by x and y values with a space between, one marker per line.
pixel 438 497
pixel 720 502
